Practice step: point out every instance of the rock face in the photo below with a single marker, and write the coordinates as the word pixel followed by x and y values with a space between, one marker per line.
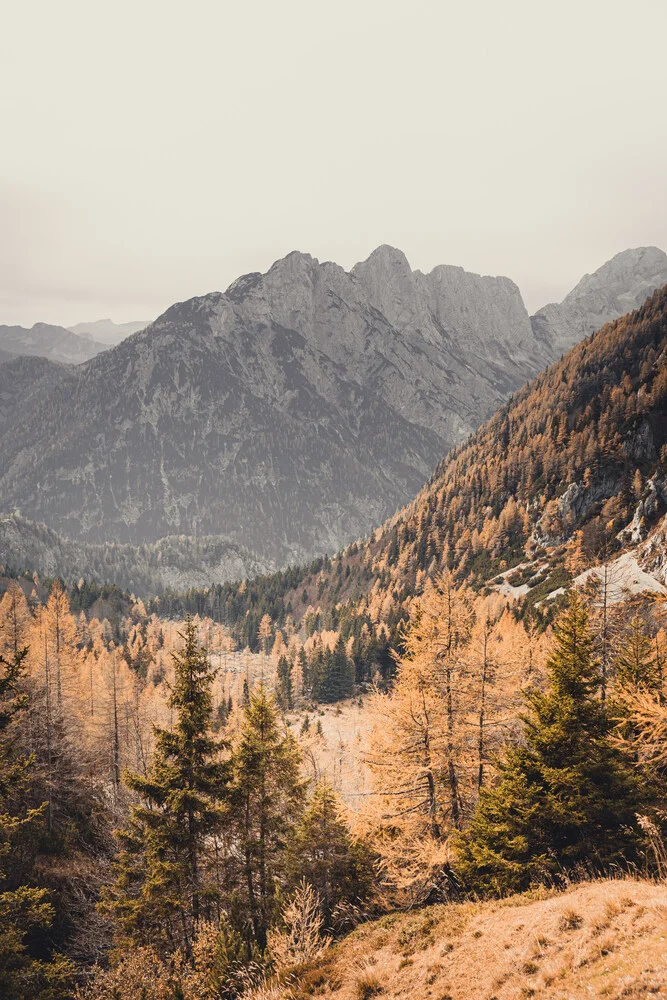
pixel 618 287
pixel 46 341
pixel 287 416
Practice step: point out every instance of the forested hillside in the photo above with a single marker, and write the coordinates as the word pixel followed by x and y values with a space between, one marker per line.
pixel 550 482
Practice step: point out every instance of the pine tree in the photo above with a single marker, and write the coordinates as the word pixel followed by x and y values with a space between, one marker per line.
pixel 267 796
pixel 568 795
pixel 165 877
pixel 324 853
pixel 23 910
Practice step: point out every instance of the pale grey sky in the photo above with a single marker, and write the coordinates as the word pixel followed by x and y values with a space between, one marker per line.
pixel 153 150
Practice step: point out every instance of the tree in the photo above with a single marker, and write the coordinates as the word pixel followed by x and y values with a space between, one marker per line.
pixel 568 794
pixel 284 692
pixel 333 677
pixel 61 632
pixel 24 910
pixel 406 744
pixel 267 795
pixel 14 621
pixel 165 878
pixel 439 635
pixel 636 663
pixel 264 634
pixel 324 853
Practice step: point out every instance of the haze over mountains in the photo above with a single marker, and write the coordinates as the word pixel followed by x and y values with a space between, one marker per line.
pixel 67 345
pixel 46 341
pixel 105 331
pixel 289 415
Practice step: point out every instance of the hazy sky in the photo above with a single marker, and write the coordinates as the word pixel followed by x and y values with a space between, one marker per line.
pixel 152 151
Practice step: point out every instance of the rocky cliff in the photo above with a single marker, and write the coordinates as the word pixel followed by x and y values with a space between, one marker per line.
pixel 618 287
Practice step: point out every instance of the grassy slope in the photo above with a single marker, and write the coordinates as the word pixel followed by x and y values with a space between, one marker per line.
pixel 597 939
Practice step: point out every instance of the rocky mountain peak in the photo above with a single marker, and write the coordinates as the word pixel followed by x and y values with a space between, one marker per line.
pixel 619 286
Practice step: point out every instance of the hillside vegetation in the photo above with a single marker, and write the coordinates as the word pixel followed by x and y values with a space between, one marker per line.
pixel 597 939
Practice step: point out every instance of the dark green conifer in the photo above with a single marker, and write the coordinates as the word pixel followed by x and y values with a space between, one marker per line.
pixel 284 683
pixel 267 798
pixel 324 853
pixel 164 872
pixel 24 910
pixel 568 795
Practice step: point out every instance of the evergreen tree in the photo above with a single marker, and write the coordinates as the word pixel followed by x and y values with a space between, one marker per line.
pixel 165 877
pixel 324 853
pixel 636 664
pixel 285 683
pixel 24 910
pixel 334 677
pixel 267 796
pixel 567 795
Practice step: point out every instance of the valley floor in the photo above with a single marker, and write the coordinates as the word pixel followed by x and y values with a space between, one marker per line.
pixel 597 939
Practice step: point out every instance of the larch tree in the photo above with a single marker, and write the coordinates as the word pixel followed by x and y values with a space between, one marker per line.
pixel 406 746
pixel 15 620
pixel 62 636
pixel 440 635
pixel 636 663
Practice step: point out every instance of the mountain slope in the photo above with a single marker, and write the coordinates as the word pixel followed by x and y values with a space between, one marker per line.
pixel 47 341
pixel 619 286
pixel 170 564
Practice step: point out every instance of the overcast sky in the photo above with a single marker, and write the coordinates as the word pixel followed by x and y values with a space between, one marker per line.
pixel 151 151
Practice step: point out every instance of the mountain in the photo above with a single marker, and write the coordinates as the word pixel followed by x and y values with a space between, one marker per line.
pixel 47 341
pixel 570 473
pixel 287 416
pixel 105 331
pixel 619 286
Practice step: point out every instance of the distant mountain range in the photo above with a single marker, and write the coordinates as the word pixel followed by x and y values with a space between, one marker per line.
pixel 105 331
pixel 290 414
pixel 67 345
pixel 46 341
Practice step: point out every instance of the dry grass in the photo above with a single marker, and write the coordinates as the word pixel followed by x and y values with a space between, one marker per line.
pixel 605 939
